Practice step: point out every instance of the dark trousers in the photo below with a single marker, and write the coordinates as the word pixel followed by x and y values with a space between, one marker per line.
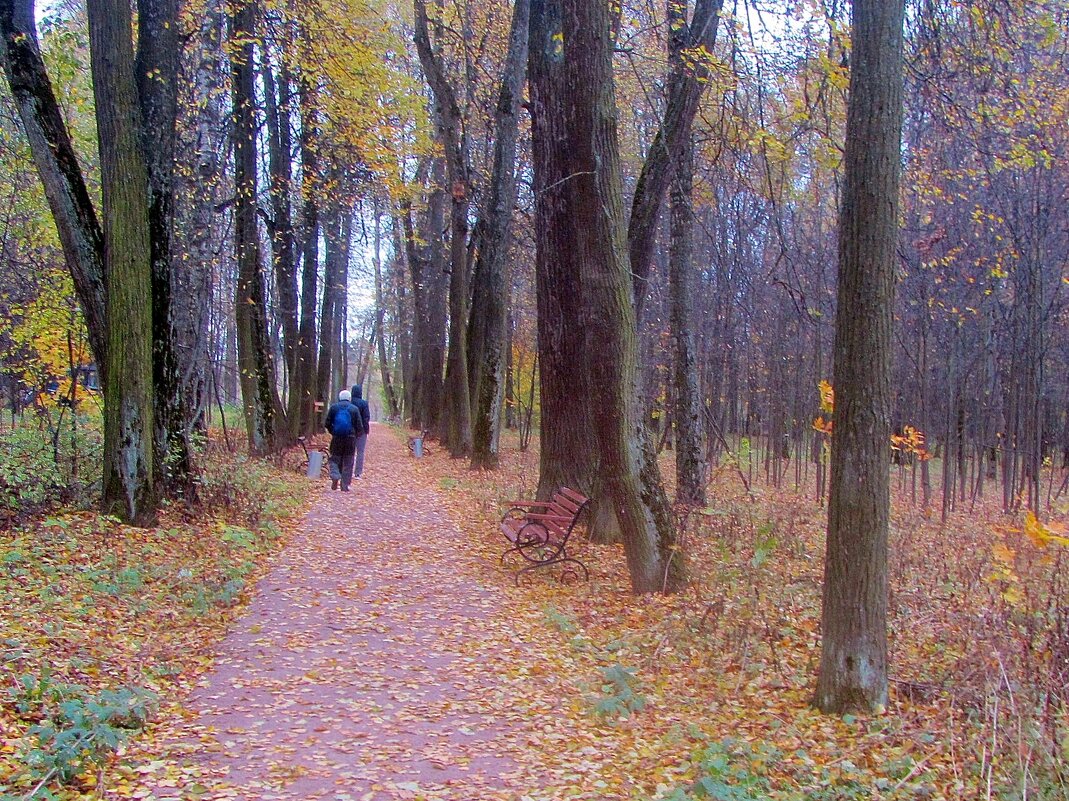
pixel 342 451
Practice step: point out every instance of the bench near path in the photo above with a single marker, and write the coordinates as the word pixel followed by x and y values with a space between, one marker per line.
pixel 368 665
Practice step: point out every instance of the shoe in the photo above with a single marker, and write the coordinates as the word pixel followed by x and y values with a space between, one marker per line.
pixel 334 483
pixel 345 489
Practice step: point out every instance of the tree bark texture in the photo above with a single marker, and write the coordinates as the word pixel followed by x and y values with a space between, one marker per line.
pixel 157 66
pixel 129 490
pixel 406 318
pixel 574 42
pixel 80 234
pixel 490 302
pixel 455 422
pixel 568 452
pixel 853 666
pixel 255 363
pixel 393 406
pixel 200 152
pixel 429 304
pixel 283 244
pixel 686 400
pixel 334 280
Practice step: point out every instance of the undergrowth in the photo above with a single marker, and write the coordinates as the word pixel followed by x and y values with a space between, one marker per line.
pixel 46 463
pixel 102 622
pixel 979 653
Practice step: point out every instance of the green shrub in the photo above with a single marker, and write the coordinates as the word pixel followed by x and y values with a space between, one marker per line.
pixel 75 730
pixel 41 468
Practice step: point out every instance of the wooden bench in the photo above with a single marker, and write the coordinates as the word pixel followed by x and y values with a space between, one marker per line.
pixel 539 532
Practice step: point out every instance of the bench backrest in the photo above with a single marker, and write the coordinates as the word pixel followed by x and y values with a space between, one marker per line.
pixel 568 503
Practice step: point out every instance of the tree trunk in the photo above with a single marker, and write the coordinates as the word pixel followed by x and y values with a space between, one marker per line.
pixel 853 665
pixel 685 91
pixel 568 448
pixel 393 407
pixel 428 299
pixel 406 320
pixel 574 135
pixel 490 306
pixel 455 420
pixel 129 489
pixel 330 308
pixel 283 245
pixel 157 66
pixel 687 407
pixel 197 227
pixel 256 367
pixel 53 153
pixel 302 400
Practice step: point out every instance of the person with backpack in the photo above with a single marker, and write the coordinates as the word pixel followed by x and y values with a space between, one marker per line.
pixel 343 421
pixel 363 426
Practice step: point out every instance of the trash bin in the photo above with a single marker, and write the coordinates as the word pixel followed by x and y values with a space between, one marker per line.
pixel 417 446
pixel 315 464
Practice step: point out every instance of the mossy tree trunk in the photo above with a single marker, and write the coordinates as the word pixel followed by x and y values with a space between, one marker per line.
pixel 129 490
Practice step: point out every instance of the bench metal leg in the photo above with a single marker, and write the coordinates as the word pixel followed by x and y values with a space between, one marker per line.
pixel 571 570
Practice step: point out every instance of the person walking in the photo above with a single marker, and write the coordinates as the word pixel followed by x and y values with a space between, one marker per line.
pixel 362 426
pixel 343 421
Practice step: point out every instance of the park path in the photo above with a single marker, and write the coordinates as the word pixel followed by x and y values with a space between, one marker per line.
pixel 372 664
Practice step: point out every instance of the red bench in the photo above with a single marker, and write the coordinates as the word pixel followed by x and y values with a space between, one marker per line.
pixel 539 532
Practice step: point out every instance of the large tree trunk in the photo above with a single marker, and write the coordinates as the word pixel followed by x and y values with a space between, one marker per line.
pixel 198 227
pixel 406 319
pixel 428 298
pixel 576 92
pixel 568 453
pixel 393 407
pixel 336 226
pixel 80 234
pixel 455 422
pixel 687 405
pixel 129 490
pixel 256 367
pixel 157 64
pixel 686 401
pixel 490 302
pixel 853 665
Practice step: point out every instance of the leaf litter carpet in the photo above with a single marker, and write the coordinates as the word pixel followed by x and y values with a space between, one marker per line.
pixel 373 663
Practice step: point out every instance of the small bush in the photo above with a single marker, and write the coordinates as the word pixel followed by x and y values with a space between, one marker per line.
pixel 75 730
pixel 41 468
